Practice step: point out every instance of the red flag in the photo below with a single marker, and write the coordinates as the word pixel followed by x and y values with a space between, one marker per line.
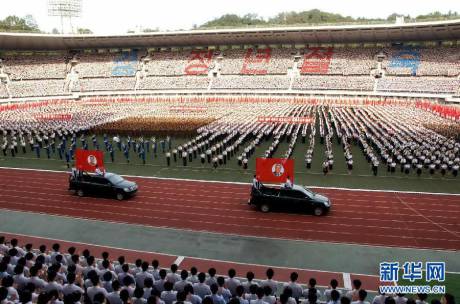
pixel 274 170
pixel 88 160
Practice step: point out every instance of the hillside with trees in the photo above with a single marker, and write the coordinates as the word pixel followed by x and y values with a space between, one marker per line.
pixel 313 17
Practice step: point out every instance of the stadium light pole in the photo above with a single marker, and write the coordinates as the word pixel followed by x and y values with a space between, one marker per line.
pixel 65 9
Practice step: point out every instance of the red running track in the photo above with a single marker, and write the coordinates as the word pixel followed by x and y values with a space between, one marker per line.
pixel 357 217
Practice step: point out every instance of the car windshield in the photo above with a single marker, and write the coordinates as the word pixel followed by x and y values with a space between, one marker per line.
pixel 309 193
pixel 114 179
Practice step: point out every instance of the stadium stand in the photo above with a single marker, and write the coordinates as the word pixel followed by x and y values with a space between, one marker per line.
pixel 411 70
pixel 29 88
pixel 251 82
pixel 174 82
pixel 35 66
pixel 419 84
pixel 334 82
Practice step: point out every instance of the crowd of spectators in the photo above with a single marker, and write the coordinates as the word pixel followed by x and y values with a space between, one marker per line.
pixel 36 66
pixel 30 88
pixel 174 83
pixel 105 84
pixel 251 82
pixel 56 275
pixel 425 70
pixel 419 84
pixel 333 82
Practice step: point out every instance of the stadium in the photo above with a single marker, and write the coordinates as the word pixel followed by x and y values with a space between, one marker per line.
pixel 367 114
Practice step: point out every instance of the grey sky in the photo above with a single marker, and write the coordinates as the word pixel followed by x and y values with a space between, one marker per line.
pixel 117 16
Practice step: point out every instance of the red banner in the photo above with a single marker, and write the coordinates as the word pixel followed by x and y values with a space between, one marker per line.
pixel 88 160
pixel 274 170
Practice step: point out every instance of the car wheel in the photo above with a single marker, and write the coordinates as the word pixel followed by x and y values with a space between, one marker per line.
pixel 318 211
pixel 120 196
pixel 80 193
pixel 265 208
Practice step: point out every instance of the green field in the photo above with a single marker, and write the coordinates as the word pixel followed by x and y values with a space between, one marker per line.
pixel 360 177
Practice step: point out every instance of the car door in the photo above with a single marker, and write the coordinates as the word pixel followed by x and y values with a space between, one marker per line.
pixel 102 186
pixel 293 200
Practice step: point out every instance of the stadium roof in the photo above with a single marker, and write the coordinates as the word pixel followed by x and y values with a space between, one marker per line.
pixel 421 31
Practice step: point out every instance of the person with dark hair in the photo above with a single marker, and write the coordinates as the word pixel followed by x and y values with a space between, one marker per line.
pixel 179 285
pixel 148 287
pixel 55 252
pixel 249 281
pixel 311 288
pixel 334 297
pixel 295 287
pixel 129 284
pixel 193 277
pixel 421 298
pixel 345 300
pixel 124 296
pixel 268 297
pixel 155 271
pixel 4 295
pixel 353 294
pixel 121 262
pixel 3 247
pixel 232 282
pixel 20 280
pixel 137 266
pixel 138 297
pixel 216 298
pixel 389 300
pixel 159 284
pixel 240 295
pixel 107 279
pixel 68 256
pixel 447 299
pixel 168 295
pixel 95 288
pixel 52 284
pixel 54 298
pixel 201 288
pixel 71 286
pixel 8 282
pixel 362 295
pixel 173 277
pixel 270 282
pixel 332 286
pixel 143 274
pixel 400 298
pixel 190 296
pixel 114 296
pixel 125 273
pixel 223 291
pixel 312 297
pixel 252 294
pixel 212 276
pixel 380 299
pixel 260 294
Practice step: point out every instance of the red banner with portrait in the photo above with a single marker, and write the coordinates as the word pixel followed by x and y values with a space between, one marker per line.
pixel 274 170
pixel 89 160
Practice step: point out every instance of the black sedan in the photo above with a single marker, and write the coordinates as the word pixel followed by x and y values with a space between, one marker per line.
pixel 297 199
pixel 109 185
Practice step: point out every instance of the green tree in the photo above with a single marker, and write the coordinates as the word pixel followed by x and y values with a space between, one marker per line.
pixel 84 31
pixel 18 24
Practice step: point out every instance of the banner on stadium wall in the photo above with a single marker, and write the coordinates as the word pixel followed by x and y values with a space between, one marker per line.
pixel 274 170
pixel 88 160
pixel 284 119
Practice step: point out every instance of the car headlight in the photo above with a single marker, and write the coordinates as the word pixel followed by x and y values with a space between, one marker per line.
pixel 327 203
pixel 126 189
